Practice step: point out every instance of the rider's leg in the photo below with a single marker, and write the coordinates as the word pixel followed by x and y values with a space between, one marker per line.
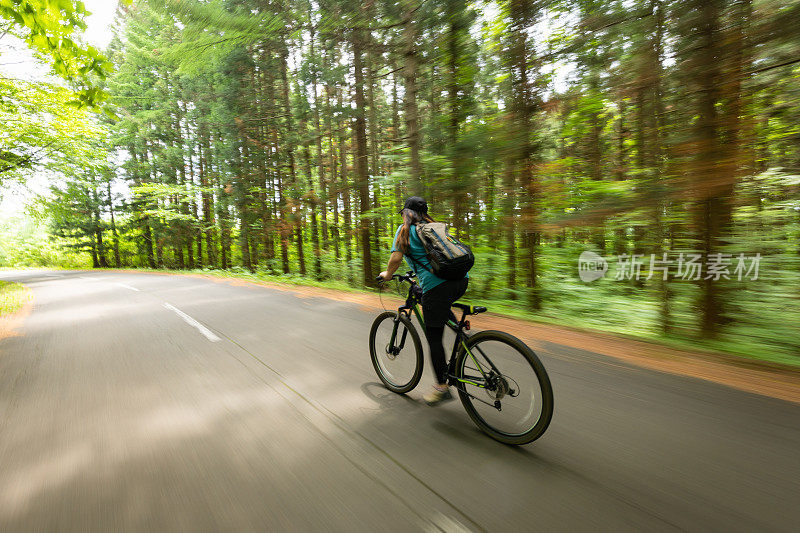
pixel 440 391
pixel 436 309
pixel 436 304
pixel 434 335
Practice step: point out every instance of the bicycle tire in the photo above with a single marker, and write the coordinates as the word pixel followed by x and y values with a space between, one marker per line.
pixel 375 354
pixel 543 379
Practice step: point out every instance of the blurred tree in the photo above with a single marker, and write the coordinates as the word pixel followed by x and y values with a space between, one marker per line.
pixel 282 137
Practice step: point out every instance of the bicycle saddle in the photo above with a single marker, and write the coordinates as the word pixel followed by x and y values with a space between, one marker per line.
pixel 470 310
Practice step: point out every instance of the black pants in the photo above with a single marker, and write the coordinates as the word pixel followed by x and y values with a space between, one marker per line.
pixel 436 304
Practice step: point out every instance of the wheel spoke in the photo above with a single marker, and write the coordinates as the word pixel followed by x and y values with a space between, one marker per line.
pixel 479 400
pixel 396 352
pixel 514 403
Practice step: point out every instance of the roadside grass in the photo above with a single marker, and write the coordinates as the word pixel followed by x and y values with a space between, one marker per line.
pixel 12 297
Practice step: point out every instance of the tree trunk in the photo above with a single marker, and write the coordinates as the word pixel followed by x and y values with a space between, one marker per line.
pixel 244 245
pixel 314 225
pixel 323 194
pixel 289 148
pixel 95 262
pixel 410 70
pixel 348 223
pixel 148 242
pixel 148 232
pixel 98 231
pixel 714 185
pixel 333 186
pixel 522 16
pixel 208 197
pixel 117 262
pixel 373 134
pixel 362 172
pixel 454 9
pixel 511 225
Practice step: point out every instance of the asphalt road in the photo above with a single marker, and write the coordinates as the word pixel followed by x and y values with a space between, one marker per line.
pixel 162 403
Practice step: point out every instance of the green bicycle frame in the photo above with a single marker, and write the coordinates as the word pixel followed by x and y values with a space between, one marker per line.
pixel 455 327
pixel 413 306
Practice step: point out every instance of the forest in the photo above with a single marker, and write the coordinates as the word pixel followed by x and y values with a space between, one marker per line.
pixel 278 139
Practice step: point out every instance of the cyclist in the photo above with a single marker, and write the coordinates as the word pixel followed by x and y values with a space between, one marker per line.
pixel 438 294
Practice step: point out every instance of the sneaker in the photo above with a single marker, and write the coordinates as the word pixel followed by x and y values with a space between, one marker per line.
pixel 437 395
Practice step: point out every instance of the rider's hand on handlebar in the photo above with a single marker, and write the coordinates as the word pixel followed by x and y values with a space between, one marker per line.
pixel 384 276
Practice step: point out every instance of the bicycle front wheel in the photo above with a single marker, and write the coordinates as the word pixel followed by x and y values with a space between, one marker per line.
pixel 504 387
pixel 396 352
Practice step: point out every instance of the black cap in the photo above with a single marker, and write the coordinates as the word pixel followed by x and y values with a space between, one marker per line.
pixel 415 203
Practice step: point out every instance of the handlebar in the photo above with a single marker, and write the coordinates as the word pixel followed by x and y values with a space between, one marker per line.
pixel 409 276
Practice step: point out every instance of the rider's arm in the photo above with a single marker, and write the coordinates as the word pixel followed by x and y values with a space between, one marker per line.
pixel 394 263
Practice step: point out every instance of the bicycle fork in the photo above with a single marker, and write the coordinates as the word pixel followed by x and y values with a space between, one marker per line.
pixel 393 350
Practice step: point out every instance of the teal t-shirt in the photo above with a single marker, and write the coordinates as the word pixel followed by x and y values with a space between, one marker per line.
pixel 419 258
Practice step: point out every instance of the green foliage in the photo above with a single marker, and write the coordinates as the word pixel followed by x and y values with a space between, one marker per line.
pixel 40 129
pixel 49 27
pixel 25 242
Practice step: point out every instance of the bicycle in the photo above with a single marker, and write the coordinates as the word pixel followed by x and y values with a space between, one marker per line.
pixel 520 392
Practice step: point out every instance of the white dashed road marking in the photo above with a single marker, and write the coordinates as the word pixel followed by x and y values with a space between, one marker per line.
pixel 194 323
pixel 128 287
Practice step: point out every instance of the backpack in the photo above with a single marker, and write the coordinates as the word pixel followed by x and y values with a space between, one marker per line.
pixel 450 258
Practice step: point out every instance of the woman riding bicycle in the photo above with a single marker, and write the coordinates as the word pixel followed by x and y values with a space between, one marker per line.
pixel 438 294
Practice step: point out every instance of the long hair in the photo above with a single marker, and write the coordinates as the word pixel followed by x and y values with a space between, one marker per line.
pixel 409 217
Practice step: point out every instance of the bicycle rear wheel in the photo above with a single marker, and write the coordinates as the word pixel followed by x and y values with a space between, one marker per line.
pixel 504 387
pixel 399 363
